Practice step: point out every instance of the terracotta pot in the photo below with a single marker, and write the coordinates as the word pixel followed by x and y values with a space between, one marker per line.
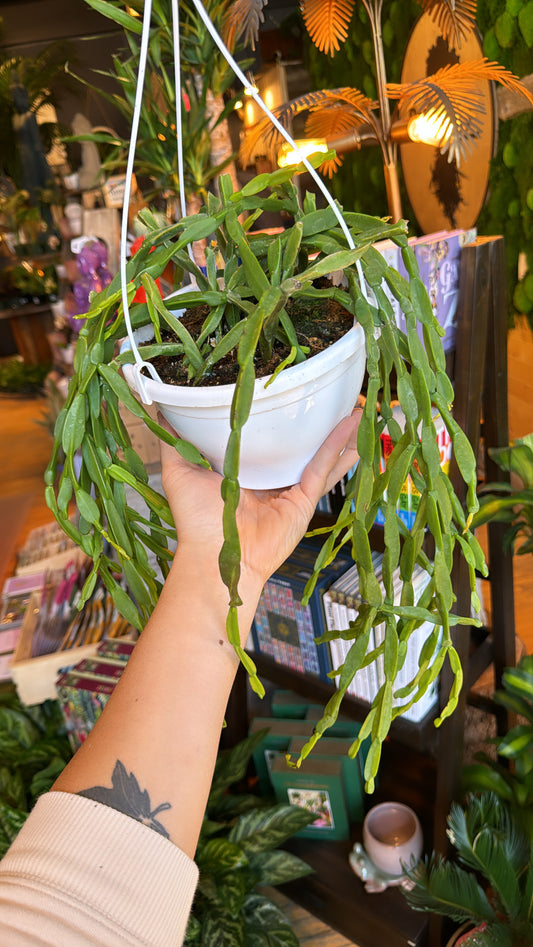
pixel 462 935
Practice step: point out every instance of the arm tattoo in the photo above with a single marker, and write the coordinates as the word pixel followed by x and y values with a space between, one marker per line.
pixel 127 796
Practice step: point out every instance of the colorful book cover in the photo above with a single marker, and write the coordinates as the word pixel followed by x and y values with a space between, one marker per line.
pixel 107 670
pixel 116 649
pixel 409 495
pixel 283 627
pixel 320 790
pixel 82 700
pixel 438 256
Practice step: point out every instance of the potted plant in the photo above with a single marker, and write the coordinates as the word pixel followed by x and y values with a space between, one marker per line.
pixel 503 502
pixel 488 884
pixel 250 280
pixel 238 853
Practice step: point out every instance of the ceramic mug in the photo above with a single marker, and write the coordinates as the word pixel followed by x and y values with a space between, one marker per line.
pixel 392 836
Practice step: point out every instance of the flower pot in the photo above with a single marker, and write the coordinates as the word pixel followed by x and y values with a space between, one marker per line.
pixel 289 419
pixel 463 934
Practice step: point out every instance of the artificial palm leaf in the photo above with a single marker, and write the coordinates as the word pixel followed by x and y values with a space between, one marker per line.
pixel 242 22
pixel 453 93
pixel 443 888
pixel 327 21
pixel 455 18
pixel 354 109
pixel 332 122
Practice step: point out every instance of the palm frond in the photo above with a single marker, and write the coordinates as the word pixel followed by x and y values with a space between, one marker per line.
pixel 243 21
pixel 332 122
pixel 455 18
pixel 267 138
pixel 467 826
pixel 327 22
pixel 453 93
pixel 445 888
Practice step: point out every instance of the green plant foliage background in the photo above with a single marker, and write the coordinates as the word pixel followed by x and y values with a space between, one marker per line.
pixel 507 31
pixel 507 28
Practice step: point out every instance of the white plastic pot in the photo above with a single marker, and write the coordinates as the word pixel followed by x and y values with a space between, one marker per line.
pixel 289 419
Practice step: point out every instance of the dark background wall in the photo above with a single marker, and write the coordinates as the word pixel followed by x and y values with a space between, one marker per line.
pixel 29 25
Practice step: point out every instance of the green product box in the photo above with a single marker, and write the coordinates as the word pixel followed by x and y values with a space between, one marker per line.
pixel 319 789
pixel 336 748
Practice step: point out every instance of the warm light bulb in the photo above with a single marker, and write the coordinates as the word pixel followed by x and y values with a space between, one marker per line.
pixel 288 155
pixel 430 128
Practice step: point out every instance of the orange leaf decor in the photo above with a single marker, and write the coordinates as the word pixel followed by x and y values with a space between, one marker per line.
pixel 332 111
pixel 455 18
pixel 453 93
pixel 242 21
pixel 327 21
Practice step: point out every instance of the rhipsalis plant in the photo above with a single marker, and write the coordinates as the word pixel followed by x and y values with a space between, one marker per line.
pixel 250 280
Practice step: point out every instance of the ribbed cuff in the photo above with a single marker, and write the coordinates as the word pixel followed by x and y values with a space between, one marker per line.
pixel 107 865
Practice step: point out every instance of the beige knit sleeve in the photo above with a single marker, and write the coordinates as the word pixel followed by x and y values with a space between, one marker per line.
pixel 80 873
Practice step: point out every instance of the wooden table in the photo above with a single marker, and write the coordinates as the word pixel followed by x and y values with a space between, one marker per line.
pixel 30 325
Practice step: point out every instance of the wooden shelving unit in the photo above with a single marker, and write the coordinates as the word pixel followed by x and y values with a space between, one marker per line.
pixel 421 765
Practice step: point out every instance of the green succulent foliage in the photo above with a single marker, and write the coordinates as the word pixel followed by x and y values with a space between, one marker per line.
pixel 248 281
pixel 33 751
pixel 238 853
pixel 504 503
pixel 511 775
pixel 489 881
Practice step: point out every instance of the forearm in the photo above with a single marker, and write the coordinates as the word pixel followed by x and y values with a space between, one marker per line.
pixel 163 721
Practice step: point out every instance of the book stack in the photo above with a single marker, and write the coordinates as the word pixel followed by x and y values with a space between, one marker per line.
pixel 341 604
pixel 285 629
pixel 327 782
pixel 84 689
pixel 438 256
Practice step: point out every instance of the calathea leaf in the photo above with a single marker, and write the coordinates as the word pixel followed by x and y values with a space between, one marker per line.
pixel 278 867
pixel 222 930
pixel 264 829
pixel 219 856
pixel 266 924
pixel 11 821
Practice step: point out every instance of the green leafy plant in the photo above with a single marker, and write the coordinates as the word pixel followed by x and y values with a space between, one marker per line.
pixel 34 749
pixel 206 79
pixel 238 852
pixel 511 775
pixel 249 281
pixel 490 881
pixel 504 502
pixel 16 377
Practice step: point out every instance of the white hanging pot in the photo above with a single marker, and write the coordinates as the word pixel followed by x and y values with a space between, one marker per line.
pixel 289 419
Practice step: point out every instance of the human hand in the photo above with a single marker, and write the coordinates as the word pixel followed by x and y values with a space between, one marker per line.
pixel 270 522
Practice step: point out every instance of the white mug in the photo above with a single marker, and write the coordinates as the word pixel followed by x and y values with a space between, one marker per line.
pixel 392 837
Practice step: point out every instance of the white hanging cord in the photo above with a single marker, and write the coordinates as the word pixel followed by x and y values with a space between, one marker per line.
pixel 143 53
pixel 283 131
pixel 177 84
pixel 179 108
